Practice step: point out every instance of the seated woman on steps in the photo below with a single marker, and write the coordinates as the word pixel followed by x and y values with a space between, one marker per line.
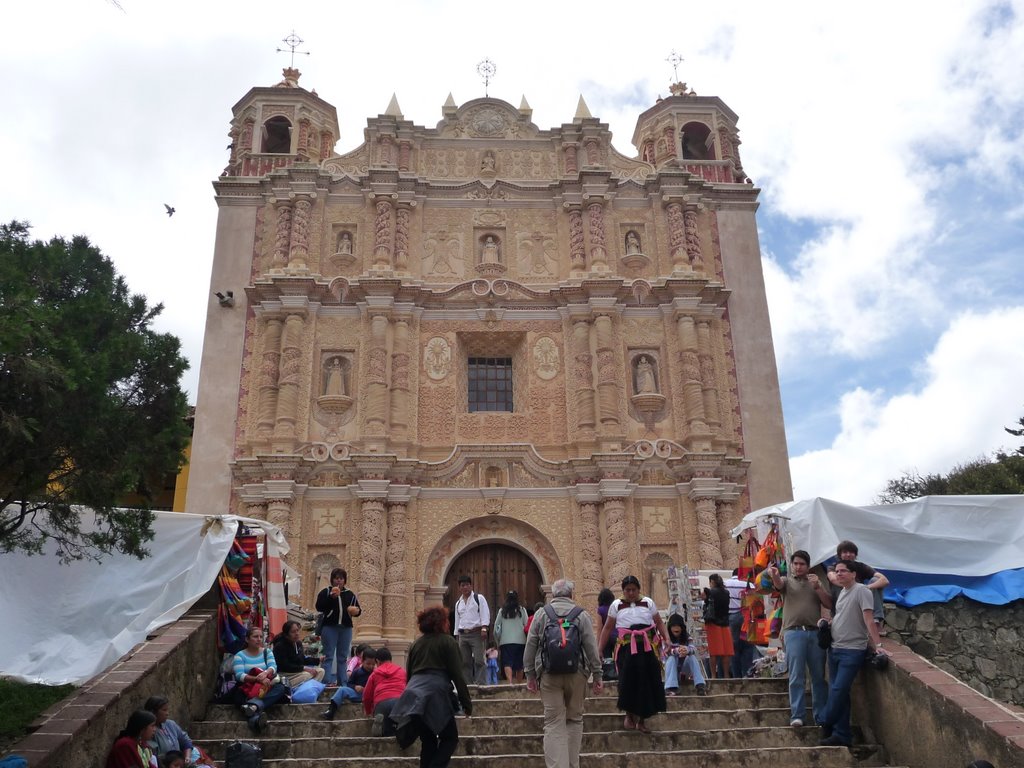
pixel 255 671
pixel 131 747
pixel 171 737
pixel 293 665
pixel 681 658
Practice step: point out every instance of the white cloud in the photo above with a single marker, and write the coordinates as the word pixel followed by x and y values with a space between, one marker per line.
pixel 970 389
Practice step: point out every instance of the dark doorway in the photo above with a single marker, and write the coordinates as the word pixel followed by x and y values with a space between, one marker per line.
pixel 495 569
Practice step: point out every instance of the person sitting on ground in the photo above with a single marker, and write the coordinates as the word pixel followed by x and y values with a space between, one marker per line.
pixel 255 671
pixel 292 664
pixel 356 683
pixel 426 710
pixel 356 661
pixel 681 658
pixel 169 737
pixel 131 747
pixel 173 759
pixel 385 685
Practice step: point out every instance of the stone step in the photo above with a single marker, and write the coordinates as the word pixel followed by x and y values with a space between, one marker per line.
pixel 530 704
pixel 726 685
pixel 794 757
pixel 348 723
pixel 279 747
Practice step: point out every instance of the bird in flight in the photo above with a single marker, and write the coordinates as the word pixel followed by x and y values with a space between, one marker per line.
pixel 170 211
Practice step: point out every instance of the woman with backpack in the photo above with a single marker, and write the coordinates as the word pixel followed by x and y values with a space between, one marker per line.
pixel 510 632
pixel 640 631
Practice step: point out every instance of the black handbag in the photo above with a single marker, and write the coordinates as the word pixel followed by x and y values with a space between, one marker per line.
pixel 239 754
pixel 825 635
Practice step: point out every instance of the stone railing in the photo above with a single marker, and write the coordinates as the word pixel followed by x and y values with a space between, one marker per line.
pixel 179 661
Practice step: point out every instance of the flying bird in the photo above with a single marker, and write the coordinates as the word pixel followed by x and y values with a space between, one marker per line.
pixel 231 145
pixel 170 211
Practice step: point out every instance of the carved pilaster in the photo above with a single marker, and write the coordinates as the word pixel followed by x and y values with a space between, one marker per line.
pixel 404 155
pixel 592 147
pixel 376 411
pixel 569 150
pixel 708 543
pixel 288 381
pixel 617 538
pixel 279 513
pixel 371 568
pixel 402 217
pixel 609 386
pixel 386 155
pixel 583 375
pixel 282 235
pixel 726 512
pixel 598 252
pixel 693 396
pixel 708 381
pixel 304 138
pixel 326 144
pixel 396 613
pixel 382 235
pixel 692 236
pixel 577 250
pixel 245 145
pixel 299 248
pixel 269 372
pixel 676 236
pixel 257 510
pixel 400 381
pixel 670 141
pixel 590 543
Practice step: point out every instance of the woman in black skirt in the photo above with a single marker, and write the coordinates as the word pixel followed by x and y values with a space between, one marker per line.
pixel 640 632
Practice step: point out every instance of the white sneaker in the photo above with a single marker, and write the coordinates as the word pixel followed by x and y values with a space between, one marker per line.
pixel 796 722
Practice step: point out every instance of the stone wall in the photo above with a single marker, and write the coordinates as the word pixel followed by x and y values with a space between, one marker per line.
pixel 983 645
pixel 179 661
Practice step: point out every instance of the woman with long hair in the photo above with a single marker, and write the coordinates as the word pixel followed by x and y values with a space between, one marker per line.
pixel 426 709
pixel 131 747
pixel 339 605
pixel 716 626
pixel 291 659
pixel 640 631
pixel 510 632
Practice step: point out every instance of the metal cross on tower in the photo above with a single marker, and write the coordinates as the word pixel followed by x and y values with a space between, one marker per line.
pixel 293 41
pixel 487 71
pixel 675 60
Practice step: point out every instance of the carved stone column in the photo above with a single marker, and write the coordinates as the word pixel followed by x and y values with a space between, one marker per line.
pixel 593 150
pixel 400 381
pixel 376 411
pixel 583 375
pixel 396 612
pixel 288 381
pixel 402 216
pixel 386 150
pixel 371 568
pixel 693 396
pixel 404 155
pixel 577 251
pixel 708 381
pixel 304 139
pixel 670 141
pixel 608 385
pixel 590 543
pixel 726 511
pixel 299 248
pixel 598 252
pixel 676 236
pixel 256 509
pixel 282 235
pixel 269 372
pixel 617 538
pixel 569 149
pixel 708 543
pixel 693 252
pixel 245 147
pixel 382 235
pixel 279 513
pixel 326 144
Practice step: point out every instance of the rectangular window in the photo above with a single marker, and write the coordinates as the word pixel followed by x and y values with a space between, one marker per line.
pixel 490 384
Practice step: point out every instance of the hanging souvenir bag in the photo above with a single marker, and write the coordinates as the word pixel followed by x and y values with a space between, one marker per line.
pixel 746 569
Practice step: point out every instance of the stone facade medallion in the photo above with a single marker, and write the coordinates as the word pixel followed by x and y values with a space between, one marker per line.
pixel 545 358
pixel 438 358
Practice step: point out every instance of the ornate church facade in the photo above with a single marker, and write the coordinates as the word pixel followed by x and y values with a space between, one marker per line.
pixel 487 347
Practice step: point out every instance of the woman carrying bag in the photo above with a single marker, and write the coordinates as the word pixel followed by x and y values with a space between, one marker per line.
pixel 339 605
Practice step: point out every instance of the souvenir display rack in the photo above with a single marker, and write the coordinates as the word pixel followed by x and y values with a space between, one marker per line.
pixel 687 599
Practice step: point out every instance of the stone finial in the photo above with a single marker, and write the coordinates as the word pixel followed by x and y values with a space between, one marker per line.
pixel 524 108
pixel 582 110
pixel 291 78
pixel 393 109
pixel 449 103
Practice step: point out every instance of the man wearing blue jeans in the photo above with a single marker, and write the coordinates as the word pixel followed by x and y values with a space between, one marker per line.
pixel 805 597
pixel 853 633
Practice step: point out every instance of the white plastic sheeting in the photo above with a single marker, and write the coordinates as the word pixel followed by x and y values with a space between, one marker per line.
pixel 961 535
pixel 67 623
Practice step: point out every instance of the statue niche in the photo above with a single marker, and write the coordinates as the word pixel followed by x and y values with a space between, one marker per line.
pixel 633 256
pixel 490 261
pixel 647 397
pixel 335 385
pixel 344 251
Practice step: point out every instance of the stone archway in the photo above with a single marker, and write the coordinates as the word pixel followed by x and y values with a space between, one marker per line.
pixel 496 568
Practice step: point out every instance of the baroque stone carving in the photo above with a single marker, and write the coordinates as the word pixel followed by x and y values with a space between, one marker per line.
pixel 545 358
pixel 443 252
pixel 437 358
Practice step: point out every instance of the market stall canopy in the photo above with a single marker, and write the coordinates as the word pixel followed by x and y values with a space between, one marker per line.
pixel 931 548
pixel 67 623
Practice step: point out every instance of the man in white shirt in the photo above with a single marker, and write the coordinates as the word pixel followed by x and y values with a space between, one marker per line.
pixel 472 617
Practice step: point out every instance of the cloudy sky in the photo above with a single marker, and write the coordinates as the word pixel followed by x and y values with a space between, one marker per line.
pixel 886 139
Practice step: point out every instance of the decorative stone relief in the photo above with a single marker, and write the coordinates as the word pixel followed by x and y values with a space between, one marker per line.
pixel 443 251
pixel 437 358
pixel 545 358
pixel 327 522
pixel 537 255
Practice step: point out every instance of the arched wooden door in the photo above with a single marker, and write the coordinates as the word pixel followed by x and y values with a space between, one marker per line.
pixel 495 569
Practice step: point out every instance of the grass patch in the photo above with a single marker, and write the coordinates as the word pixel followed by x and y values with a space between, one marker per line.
pixel 21 703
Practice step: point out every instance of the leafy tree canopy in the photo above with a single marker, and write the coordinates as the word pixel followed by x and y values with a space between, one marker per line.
pixel 91 407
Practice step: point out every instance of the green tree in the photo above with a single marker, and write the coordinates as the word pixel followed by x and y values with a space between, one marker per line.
pixel 1002 474
pixel 91 406
pixel 1018 433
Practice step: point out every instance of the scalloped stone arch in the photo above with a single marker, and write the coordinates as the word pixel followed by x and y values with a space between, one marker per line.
pixel 484 530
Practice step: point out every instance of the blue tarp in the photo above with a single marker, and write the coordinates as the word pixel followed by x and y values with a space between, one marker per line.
pixel 910 589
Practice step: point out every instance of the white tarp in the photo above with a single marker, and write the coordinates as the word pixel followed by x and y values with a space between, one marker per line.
pixel 67 623
pixel 961 535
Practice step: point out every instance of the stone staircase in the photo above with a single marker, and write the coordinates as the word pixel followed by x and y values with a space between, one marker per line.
pixel 740 724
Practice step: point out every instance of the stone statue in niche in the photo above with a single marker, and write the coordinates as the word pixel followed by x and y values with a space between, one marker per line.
pixel 489 252
pixel 334 378
pixel 646 383
pixel 632 243
pixel 493 477
pixel 648 152
pixel 487 164
pixel 345 244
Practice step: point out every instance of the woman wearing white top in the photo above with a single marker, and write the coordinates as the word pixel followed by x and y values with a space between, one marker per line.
pixel 640 632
